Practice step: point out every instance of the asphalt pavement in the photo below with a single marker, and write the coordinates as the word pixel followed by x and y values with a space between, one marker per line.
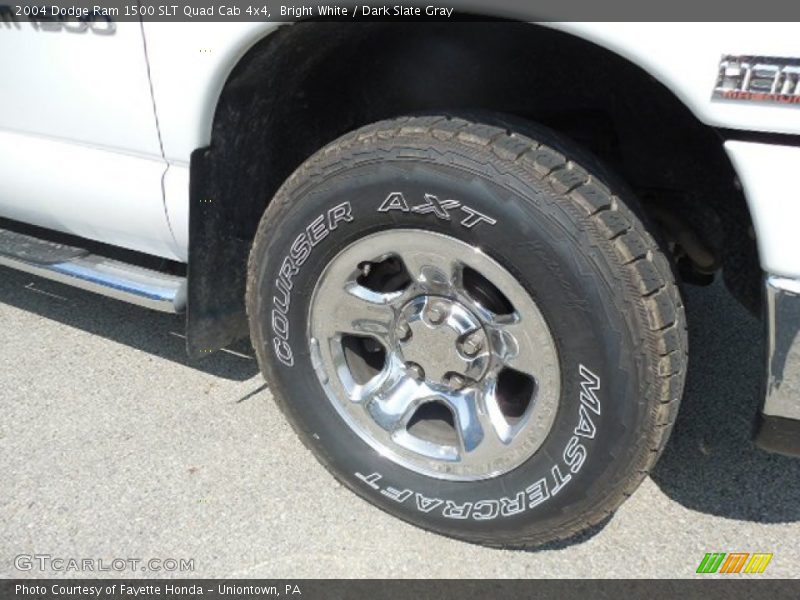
pixel 114 446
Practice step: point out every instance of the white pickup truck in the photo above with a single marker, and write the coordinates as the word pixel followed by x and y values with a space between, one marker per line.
pixel 457 247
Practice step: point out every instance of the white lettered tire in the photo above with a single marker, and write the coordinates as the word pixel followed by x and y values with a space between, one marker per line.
pixel 468 328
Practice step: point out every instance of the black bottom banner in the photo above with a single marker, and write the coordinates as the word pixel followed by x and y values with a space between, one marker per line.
pixel 322 589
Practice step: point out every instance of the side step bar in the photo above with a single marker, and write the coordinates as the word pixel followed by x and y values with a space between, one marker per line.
pixel 79 268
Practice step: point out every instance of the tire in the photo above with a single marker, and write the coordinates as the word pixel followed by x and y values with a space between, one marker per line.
pixel 596 372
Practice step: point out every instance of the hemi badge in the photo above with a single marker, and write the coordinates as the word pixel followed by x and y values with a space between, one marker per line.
pixel 758 79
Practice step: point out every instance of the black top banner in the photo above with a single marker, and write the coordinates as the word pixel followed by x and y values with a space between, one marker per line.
pixel 407 10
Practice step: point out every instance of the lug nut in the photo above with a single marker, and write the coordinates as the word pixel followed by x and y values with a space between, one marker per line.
pixel 403 332
pixel 454 381
pixel 415 371
pixel 435 314
pixel 472 345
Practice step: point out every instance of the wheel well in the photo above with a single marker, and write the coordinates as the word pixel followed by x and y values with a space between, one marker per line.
pixel 306 84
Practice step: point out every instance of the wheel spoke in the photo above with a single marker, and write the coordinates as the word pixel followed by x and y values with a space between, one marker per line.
pixel 478 426
pixel 356 310
pixel 392 405
pixel 515 346
pixel 434 272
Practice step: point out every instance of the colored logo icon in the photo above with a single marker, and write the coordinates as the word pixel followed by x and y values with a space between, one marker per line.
pixel 734 562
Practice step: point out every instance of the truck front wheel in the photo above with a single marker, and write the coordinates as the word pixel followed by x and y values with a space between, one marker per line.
pixel 468 328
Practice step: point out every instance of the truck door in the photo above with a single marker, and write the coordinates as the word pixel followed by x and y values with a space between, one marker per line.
pixel 79 143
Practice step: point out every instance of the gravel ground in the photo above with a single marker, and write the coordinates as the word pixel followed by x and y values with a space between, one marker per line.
pixel 113 446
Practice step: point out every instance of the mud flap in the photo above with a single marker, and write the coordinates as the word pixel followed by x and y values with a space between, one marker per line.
pixel 215 313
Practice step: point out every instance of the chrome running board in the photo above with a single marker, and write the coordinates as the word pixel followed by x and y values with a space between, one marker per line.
pixel 78 268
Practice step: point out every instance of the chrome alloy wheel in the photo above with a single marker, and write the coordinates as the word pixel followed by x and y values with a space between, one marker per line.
pixel 434 354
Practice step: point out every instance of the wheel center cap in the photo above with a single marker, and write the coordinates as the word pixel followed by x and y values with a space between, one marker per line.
pixel 444 339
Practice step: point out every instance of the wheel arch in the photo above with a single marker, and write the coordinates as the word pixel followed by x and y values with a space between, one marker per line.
pixel 297 88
